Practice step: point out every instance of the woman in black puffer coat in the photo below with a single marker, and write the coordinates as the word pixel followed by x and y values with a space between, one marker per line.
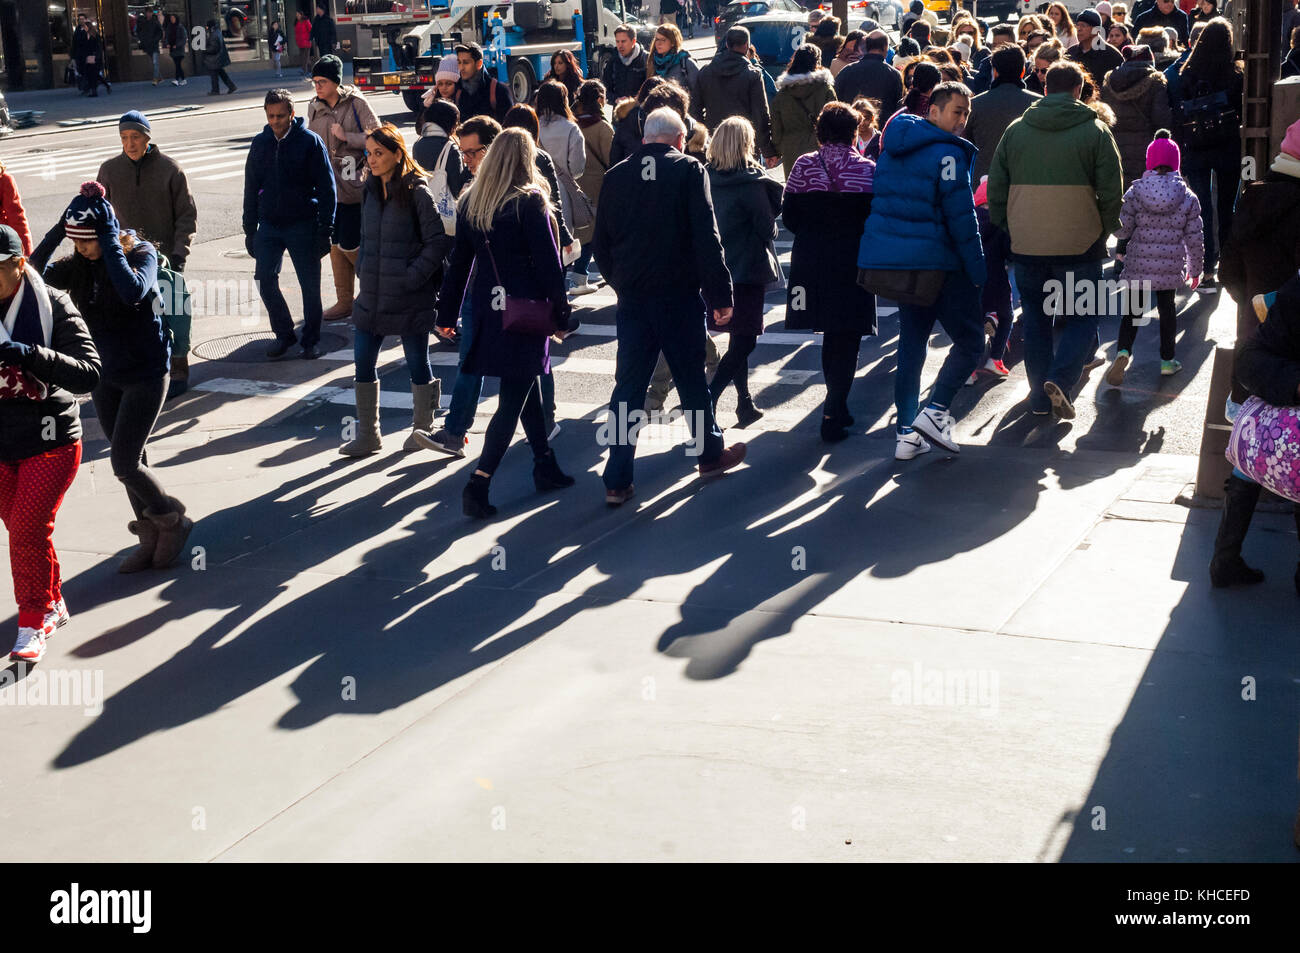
pixel 400 266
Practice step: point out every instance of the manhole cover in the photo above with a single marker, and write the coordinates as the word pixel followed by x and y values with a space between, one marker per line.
pixel 251 348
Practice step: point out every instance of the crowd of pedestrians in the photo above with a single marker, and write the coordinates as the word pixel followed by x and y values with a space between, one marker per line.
pixel 955 179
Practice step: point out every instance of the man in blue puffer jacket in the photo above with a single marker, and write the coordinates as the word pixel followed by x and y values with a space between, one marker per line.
pixel 288 206
pixel 923 218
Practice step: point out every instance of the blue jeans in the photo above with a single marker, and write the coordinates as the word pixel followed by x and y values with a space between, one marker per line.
pixel 676 327
pixel 1063 363
pixel 583 264
pixel 269 245
pixel 467 390
pixel 1216 217
pixel 957 310
pixel 365 354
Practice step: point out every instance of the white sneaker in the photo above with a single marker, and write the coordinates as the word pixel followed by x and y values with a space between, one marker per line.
pixel 937 425
pixel 555 432
pixel 176 82
pixel 583 287
pixel 30 646
pixel 1230 410
pixel 57 616
pixel 910 445
pixel 185 82
pixel 974 377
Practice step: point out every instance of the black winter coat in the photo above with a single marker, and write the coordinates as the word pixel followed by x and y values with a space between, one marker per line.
pixel 990 114
pixel 827 229
pixel 1139 97
pixel 656 238
pixel 115 296
pixel 623 80
pixel 400 261
pixel 289 180
pixel 1229 151
pixel 528 266
pixel 1268 363
pixel 730 85
pixel 69 366
pixel 746 203
pixel 492 98
pixel 428 149
pixel 873 78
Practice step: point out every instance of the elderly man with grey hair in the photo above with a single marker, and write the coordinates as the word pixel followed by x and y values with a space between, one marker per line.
pixel 657 245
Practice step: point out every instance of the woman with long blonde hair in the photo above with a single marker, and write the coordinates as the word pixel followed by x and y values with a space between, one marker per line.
pixel 505 230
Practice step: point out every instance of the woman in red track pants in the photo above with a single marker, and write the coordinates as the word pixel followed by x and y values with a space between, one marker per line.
pixel 46 358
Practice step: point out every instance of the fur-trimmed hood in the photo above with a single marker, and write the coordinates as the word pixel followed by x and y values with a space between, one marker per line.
pixel 623 107
pixel 819 75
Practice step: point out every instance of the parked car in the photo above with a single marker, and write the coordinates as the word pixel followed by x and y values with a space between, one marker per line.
pixel 738 10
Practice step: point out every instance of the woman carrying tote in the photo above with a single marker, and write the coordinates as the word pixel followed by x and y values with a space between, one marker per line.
pixel 46 359
pixel 505 231
pixel 400 267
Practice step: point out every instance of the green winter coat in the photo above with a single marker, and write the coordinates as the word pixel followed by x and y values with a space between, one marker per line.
pixel 1055 184
pixel 795 107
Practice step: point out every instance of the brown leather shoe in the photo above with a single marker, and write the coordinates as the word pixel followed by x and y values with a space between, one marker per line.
pixel 731 456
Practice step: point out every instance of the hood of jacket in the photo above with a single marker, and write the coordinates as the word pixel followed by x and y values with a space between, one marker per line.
pixel 802 84
pixel 734 178
pixel 1057 112
pixel 623 108
pixel 1133 80
pixel 906 134
pixel 1158 193
pixel 730 63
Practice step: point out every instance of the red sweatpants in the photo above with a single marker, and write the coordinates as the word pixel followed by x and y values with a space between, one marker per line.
pixel 30 493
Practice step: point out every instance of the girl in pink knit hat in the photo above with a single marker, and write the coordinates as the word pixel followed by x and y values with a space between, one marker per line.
pixel 1162 246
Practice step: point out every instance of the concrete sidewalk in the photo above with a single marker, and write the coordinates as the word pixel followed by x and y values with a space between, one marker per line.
pixel 1010 655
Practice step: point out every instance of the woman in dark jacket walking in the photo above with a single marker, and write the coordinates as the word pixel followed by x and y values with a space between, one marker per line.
pixel 827 200
pixel 1213 156
pixel 746 202
pixel 176 38
pixel 112 278
pixel 215 60
pixel 505 231
pixel 564 70
pixel 95 72
pixel 400 268
pixel 46 358
pixel 1139 96
pixel 441 120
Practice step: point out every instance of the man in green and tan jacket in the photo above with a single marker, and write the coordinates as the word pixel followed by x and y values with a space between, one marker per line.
pixel 1056 187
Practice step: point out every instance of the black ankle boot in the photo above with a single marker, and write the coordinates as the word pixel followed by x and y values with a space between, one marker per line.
pixel 1227 568
pixel 547 474
pixel 474 498
pixel 746 412
pixel 832 431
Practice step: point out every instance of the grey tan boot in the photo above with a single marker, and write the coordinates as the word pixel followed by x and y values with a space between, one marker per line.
pixel 344 267
pixel 142 556
pixel 173 530
pixel 368 440
pixel 425 399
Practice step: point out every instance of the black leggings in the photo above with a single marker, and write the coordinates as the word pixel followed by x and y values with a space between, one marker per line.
pixel 839 364
pixel 734 367
pixel 127 415
pixel 1168 309
pixel 519 401
pixel 179 62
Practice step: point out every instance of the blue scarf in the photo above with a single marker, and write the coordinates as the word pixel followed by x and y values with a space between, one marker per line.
pixel 27 324
pixel 665 63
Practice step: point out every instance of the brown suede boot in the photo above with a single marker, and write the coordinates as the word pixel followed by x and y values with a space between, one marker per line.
pixel 342 264
pixel 142 556
pixel 173 530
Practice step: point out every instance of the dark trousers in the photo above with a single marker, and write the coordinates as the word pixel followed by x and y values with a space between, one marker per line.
pixel 179 63
pixel 269 246
pixel 734 367
pixel 127 414
pixel 1061 360
pixel 519 401
pixel 1168 309
pixel 221 74
pixel 996 295
pixel 839 364
pixel 676 327
pixel 957 310
pixel 1216 217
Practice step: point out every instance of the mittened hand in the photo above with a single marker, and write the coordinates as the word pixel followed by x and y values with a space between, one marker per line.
pixel 322 244
pixel 248 244
pixel 13 352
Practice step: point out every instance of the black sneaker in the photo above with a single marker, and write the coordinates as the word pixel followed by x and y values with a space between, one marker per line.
pixel 279 349
pixel 442 441
pixel 310 352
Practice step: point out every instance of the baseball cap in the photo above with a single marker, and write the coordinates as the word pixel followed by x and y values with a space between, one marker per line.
pixel 11 246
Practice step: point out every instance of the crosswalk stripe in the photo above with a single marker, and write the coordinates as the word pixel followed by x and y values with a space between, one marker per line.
pixel 223 175
pixel 71 158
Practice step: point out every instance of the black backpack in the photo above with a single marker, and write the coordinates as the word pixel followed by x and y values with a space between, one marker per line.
pixel 1206 120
